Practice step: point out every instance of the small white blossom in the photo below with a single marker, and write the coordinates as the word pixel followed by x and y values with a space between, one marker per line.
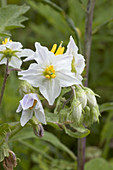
pixel 78 59
pixel 50 74
pixel 10 50
pixel 29 104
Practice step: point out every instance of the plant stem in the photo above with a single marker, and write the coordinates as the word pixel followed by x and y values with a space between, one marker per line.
pixel 88 35
pixel 3 3
pixel 87 51
pixel 4 82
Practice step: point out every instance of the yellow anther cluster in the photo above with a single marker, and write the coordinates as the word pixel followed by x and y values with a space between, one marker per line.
pixel 59 51
pixel 35 101
pixel 5 41
pixel 49 72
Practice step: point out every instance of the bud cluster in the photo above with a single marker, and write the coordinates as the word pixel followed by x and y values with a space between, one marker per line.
pixel 85 109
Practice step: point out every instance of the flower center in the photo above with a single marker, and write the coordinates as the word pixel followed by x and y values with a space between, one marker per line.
pixel 59 51
pixel 50 72
pixel 5 41
pixel 34 103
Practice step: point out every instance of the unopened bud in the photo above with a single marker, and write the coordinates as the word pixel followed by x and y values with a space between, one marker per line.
pixel 77 110
pixel 25 88
pixel 10 162
pixel 91 99
pixel 95 113
pixel 81 96
pixel 38 130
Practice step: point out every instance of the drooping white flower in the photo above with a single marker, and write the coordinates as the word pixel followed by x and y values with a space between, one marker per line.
pixel 78 60
pixel 50 74
pixel 29 104
pixel 10 50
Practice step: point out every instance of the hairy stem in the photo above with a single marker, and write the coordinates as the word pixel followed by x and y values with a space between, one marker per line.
pixel 4 82
pixel 87 51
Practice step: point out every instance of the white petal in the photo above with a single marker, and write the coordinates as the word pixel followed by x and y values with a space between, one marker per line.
pixel 80 63
pixel 67 79
pixel 45 57
pixel 71 47
pixel 39 113
pixel 26 116
pixel 50 89
pixel 63 62
pixel 19 108
pixel 3 61
pixel 14 45
pixel 2 47
pixel 15 62
pixel 27 101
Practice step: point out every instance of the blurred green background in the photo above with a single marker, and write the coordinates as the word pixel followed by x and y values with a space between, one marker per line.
pixel 48 26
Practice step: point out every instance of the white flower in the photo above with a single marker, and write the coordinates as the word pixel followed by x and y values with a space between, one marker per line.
pixel 30 103
pixel 78 59
pixel 50 74
pixel 10 50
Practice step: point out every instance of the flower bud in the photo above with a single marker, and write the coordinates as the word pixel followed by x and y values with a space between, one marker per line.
pixel 91 99
pixel 95 114
pixel 81 96
pixel 77 110
pixel 38 130
pixel 25 88
pixel 10 161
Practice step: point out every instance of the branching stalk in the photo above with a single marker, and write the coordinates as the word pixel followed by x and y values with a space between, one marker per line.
pixel 87 51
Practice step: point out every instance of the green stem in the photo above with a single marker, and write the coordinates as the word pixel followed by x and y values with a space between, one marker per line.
pixel 3 3
pixel 87 51
pixel 15 131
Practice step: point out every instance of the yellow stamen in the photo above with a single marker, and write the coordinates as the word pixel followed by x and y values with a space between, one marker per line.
pixel 49 72
pixel 47 69
pixel 51 67
pixel 53 76
pixel 34 103
pixel 47 76
pixel 54 48
pixel 5 41
pixel 60 49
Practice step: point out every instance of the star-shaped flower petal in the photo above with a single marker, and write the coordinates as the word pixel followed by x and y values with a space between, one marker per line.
pixel 50 74
pixel 78 59
pixel 29 104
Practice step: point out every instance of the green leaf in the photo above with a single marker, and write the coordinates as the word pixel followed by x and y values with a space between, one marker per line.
pixel 78 133
pixel 98 164
pixel 27 133
pixel 40 151
pixel 11 17
pixel 106 107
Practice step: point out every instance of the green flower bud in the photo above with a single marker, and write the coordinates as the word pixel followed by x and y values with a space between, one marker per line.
pixel 25 88
pixel 91 99
pixel 76 110
pixel 81 96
